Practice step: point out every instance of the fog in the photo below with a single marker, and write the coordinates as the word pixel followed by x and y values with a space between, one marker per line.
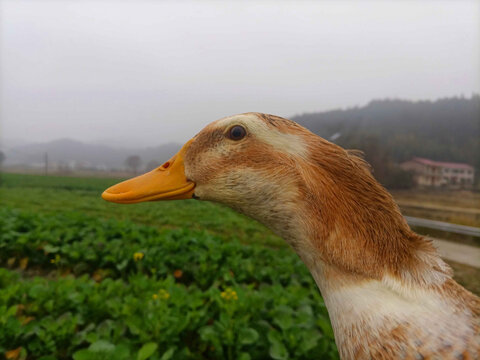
pixel 150 72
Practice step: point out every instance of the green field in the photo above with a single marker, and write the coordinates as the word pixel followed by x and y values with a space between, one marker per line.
pixel 53 195
pixel 83 278
pixel 454 206
pixel 87 279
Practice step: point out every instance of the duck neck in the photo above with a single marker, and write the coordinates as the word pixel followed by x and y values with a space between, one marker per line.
pixel 378 318
pixel 374 273
pixel 376 276
pixel 358 229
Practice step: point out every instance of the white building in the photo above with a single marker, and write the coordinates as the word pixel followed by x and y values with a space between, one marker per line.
pixel 432 173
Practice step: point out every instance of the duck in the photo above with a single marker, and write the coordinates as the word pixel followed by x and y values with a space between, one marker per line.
pixel 388 293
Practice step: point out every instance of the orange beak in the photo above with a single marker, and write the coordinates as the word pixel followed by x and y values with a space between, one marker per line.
pixel 167 182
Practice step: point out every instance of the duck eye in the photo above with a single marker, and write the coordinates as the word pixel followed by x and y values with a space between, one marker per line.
pixel 237 132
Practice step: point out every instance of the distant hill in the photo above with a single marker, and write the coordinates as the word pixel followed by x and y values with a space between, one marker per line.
pixel 68 152
pixel 388 131
pixel 445 130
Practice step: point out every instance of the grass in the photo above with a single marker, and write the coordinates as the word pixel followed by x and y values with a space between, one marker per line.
pixel 95 300
pixel 55 194
pixel 60 237
pixel 458 207
pixel 462 199
pixel 8 180
pixel 52 195
pixel 467 276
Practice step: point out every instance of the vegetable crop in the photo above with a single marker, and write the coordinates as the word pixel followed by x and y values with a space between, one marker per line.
pixel 93 288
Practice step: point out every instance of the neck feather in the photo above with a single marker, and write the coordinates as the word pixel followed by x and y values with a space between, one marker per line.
pixel 354 224
pixel 385 287
pixel 379 279
pixel 383 319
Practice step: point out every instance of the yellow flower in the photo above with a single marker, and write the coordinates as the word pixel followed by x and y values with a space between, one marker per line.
pixel 163 294
pixel 138 256
pixel 229 294
pixel 56 260
pixel 24 263
pixel 155 296
pixel 13 354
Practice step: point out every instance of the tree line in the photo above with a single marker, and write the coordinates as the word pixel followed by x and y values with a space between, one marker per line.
pixel 392 131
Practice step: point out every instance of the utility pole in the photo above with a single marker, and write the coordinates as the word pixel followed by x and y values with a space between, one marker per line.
pixel 46 163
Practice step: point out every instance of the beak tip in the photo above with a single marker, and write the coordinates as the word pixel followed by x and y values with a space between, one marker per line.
pixel 154 185
pixel 106 196
pixel 111 196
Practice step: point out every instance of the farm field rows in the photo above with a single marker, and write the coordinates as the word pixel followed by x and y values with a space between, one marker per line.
pixel 80 280
pixel 88 279
pixel 458 207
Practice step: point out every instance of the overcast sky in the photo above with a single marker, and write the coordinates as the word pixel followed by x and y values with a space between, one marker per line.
pixel 149 72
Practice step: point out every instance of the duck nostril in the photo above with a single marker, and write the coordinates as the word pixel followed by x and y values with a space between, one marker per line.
pixel 166 165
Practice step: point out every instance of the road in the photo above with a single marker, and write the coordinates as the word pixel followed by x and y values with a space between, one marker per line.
pixel 463 254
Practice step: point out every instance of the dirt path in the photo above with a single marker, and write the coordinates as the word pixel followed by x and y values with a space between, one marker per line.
pixel 463 254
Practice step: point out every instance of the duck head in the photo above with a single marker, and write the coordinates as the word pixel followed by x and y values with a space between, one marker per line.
pixel 319 197
pixel 249 162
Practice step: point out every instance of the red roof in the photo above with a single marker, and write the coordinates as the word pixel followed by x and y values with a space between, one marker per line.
pixel 450 165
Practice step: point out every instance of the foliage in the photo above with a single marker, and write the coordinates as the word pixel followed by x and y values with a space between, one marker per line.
pixel 389 174
pixel 444 130
pixel 398 178
pixel 80 244
pixel 54 194
pixel 110 288
pixel 24 181
pixel 79 317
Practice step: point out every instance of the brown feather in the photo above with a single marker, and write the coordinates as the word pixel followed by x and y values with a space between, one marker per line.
pixel 388 292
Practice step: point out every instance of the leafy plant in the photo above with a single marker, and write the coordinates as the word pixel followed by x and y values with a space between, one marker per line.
pixel 83 286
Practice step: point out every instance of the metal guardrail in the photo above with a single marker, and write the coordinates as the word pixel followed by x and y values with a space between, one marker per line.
pixel 444 226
